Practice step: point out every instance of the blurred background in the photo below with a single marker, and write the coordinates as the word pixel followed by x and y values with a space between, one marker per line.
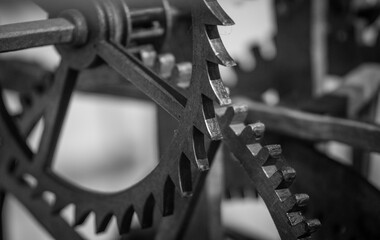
pixel 287 51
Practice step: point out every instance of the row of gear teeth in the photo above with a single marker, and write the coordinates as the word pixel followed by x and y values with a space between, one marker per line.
pixel 35 194
pixel 165 65
pixel 179 74
pixel 265 165
pixel 30 101
pixel 270 173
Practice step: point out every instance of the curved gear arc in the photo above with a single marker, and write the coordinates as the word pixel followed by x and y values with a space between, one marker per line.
pixel 269 173
pixel 181 165
pixel 188 142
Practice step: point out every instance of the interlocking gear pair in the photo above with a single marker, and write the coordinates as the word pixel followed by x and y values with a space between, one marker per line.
pixel 100 33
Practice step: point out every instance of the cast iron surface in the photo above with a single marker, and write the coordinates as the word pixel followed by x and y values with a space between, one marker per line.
pixel 96 33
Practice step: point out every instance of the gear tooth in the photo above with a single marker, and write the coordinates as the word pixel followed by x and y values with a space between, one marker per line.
pixel 235 114
pixel 257 150
pixel 302 199
pixel 203 164
pixel 281 179
pixel 181 74
pixel 139 210
pixel 216 51
pixel 146 54
pixel 296 202
pixel 148 57
pixel 58 206
pixel 275 151
pixel 218 16
pixel 253 133
pixel 208 125
pixel 289 174
pixel 80 215
pixel 313 225
pixel 102 220
pixel 303 228
pixel 124 220
pixel 176 181
pixel 164 65
pixel 158 197
pixel 196 152
pixel 295 218
pixel 218 54
pixel 213 129
pixel 167 202
pixel 185 176
pixel 215 89
pixel 145 214
pixel 219 93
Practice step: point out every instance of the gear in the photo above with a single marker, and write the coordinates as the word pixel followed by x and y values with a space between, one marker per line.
pixel 193 108
pixel 97 37
pixel 269 173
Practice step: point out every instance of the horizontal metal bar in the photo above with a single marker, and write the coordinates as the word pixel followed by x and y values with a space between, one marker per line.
pixel 148 34
pixel 20 36
pixel 147 15
pixel 314 127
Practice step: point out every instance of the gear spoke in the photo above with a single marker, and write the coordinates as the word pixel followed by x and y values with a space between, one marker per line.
pixel 31 116
pixel 54 224
pixel 58 99
pixel 143 78
pixel 104 30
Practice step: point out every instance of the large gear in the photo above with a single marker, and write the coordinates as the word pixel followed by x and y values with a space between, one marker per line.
pixel 182 169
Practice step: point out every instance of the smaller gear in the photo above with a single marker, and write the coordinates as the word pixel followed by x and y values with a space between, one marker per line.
pixel 269 173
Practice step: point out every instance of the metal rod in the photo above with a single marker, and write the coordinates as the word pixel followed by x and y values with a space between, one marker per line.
pixel 148 34
pixel 20 36
pixel 147 15
pixel 314 127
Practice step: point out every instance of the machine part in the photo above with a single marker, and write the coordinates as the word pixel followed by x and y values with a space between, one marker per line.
pixel 183 166
pixel 320 174
pixel 315 127
pixel 179 167
pixel 269 172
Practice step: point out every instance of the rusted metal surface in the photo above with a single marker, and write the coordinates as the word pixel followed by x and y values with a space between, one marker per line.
pixel 269 173
pixel 103 32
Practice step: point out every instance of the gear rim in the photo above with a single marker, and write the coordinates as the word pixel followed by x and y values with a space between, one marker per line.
pixel 46 178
